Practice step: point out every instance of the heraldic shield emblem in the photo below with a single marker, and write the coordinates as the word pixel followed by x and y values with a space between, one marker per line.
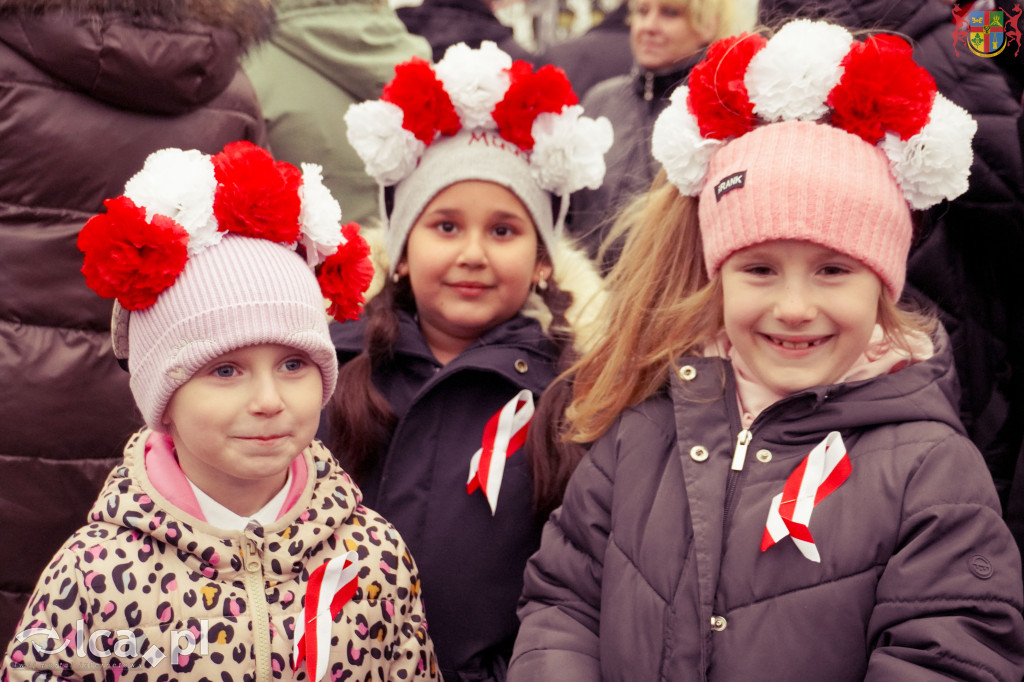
pixel 988 37
pixel 986 33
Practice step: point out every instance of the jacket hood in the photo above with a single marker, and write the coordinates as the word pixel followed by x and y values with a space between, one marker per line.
pixel 924 391
pixel 251 20
pixel 905 16
pixel 167 58
pixel 353 44
pixel 572 271
pixel 130 500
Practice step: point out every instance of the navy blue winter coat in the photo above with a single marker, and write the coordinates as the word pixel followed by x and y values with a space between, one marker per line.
pixel 471 563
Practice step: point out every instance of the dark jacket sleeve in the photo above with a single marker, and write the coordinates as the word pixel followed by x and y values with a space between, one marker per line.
pixel 560 607
pixel 949 600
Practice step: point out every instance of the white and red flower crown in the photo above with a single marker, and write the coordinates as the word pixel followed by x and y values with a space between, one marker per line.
pixel 816 71
pixel 481 89
pixel 184 201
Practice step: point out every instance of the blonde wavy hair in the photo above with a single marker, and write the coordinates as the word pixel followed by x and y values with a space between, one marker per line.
pixel 662 305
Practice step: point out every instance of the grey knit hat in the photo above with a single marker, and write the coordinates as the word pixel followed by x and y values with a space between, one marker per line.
pixel 476 155
pixel 477 115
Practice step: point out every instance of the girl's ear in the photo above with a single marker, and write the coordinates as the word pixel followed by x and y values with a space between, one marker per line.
pixel 403 268
pixel 541 272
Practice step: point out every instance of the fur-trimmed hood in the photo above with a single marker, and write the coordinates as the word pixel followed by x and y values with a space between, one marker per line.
pixel 150 56
pixel 251 20
pixel 572 271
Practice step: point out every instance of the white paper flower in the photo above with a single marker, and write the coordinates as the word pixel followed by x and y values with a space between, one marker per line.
pixel 677 145
pixel 320 216
pixel 568 151
pixel 791 77
pixel 179 184
pixel 475 80
pixel 934 164
pixel 375 131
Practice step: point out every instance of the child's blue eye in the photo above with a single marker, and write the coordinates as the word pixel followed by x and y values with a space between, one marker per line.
pixel 294 365
pixel 225 371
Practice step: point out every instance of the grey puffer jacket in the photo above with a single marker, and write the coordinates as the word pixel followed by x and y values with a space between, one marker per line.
pixel 652 568
pixel 88 89
pixel 968 261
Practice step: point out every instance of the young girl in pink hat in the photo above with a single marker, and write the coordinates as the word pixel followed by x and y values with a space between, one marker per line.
pixel 479 310
pixel 228 544
pixel 778 486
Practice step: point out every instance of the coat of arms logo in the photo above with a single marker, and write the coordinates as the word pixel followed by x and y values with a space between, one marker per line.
pixel 985 32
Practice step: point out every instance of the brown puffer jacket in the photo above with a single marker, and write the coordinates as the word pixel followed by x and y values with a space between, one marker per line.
pixel 87 91
pixel 143 572
pixel 653 570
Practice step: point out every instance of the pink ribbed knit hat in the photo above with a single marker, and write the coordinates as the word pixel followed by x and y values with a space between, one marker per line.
pixel 807 181
pixel 240 292
pixel 206 255
pixel 811 135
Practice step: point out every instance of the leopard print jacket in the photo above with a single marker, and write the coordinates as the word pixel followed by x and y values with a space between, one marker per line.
pixel 147 592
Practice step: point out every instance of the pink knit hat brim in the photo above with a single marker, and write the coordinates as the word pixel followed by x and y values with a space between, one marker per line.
pixel 240 292
pixel 806 181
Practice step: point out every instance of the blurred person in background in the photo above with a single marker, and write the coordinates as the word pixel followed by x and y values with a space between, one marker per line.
pixel 667 38
pixel 447 22
pixel 88 89
pixel 599 54
pixel 322 57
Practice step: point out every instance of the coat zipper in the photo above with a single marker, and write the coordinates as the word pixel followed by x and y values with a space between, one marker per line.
pixel 258 603
pixel 739 456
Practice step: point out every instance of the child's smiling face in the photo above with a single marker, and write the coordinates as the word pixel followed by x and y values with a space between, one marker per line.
pixel 238 423
pixel 471 259
pixel 799 314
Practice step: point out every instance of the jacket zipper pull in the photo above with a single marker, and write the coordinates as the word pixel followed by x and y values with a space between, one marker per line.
pixel 648 86
pixel 740 456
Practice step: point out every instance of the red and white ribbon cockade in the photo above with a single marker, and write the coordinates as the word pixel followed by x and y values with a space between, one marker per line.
pixel 329 589
pixel 504 434
pixel 817 476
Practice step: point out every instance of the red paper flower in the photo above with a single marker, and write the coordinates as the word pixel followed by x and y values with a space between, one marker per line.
pixel 256 196
pixel 346 274
pixel 426 106
pixel 129 258
pixel 882 90
pixel 718 96
pixel 529 95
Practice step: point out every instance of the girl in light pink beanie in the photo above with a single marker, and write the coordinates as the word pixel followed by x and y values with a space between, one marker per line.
pixel 778 485
pixel 228 543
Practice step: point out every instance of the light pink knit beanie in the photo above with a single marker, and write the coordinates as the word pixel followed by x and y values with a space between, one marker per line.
pixel 806 181
pixel 205 255
pixel 812 135
pixel 240 292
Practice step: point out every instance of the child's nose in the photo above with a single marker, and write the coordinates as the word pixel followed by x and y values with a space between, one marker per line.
pixel 795 304
pixel 266 395
pixel 473 252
